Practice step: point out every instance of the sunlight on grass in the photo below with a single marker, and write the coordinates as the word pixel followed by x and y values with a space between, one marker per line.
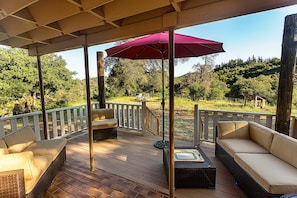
pixel 187 104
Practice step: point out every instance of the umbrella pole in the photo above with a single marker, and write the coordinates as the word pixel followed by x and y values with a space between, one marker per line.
pixel 171 56
pixel 162 143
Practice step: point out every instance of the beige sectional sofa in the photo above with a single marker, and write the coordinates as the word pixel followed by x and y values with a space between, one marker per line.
pixel 27 165
pixel 104 124
pixel 262 161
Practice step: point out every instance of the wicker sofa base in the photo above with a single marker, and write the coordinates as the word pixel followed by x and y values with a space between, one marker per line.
pixel 101 134
pixel 46 179
pixel 242 178
pixel 12 183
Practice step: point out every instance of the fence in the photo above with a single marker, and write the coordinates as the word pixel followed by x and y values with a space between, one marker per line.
pixel 136 117
pixel 69 120
pixel 206 121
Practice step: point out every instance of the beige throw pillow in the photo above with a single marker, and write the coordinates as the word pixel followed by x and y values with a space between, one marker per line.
pixel 20 139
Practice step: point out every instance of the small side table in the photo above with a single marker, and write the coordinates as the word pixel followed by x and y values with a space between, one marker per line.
pixel 189 174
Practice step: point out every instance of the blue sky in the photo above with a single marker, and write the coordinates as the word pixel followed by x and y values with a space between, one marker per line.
pixel 257 34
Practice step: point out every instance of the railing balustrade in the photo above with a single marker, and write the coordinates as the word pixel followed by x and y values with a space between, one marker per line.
pixel 136 117
pixel 205 129
pixel 69 120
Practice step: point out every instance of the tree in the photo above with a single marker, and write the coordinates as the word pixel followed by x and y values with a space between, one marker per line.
pixel 127 77
pixel 259 86
pixel 246 88
pixel 204 73
pixel 218 90
pixel 19 78
pixel 196 91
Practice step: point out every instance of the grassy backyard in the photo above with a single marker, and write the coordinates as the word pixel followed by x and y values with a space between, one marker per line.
pixel 187 104
pixel 184 111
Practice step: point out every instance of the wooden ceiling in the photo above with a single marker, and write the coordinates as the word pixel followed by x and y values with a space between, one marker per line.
pixel 45 26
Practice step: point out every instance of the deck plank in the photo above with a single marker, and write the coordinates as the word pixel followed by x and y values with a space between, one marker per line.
pixel 132 157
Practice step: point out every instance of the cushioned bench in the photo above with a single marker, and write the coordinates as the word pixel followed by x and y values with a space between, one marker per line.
pixel 28 165
pixel 262 161
pixel 104 124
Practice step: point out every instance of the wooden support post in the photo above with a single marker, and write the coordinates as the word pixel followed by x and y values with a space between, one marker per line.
pixel 42 98
pixel 286 77
pixel 196 126
pixel 90 130
pixel 101 87
pixel 294 127
pixel 171 112
pixel 144 118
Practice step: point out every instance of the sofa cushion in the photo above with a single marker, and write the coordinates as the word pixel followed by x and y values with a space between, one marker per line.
pixel 273 174
pixel 14 161
pixel 233 129
pixel 104 124
pixel 101 114
pixel 47 147
pixel 20 139
pixel 3 147
pixel 233 146
pixel 261 135
pixel 285 148
pixel 42 163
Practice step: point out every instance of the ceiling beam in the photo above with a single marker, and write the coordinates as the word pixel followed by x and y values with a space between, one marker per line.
pixel 176 4
pixel 122 9
pixel 226 9
pixel 189 17
pixel 12 6
pixel 55 11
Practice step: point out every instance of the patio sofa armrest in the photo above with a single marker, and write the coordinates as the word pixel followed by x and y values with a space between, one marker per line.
pixel 12 183
pixel 233 130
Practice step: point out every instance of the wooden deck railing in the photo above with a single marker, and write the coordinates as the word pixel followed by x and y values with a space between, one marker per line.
pixel 136 117
pixel 206 121
pixel 69 120
pixel 151 122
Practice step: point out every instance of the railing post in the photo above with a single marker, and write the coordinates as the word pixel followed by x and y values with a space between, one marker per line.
pixel 294 127
pixel 143 118
pixel 196 126
pixel 2 130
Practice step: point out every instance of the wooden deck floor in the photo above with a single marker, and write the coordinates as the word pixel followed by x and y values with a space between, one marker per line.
pixel 129 158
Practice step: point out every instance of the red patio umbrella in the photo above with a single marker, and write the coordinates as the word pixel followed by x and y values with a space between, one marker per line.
pixel 155 46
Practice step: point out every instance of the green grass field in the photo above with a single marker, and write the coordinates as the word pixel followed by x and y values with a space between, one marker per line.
pixel 184 112
pixel 187 104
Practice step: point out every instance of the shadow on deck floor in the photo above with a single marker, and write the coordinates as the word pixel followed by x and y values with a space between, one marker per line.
pixel 128 167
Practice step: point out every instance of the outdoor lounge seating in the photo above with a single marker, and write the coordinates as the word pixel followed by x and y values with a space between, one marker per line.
pixel 28 166
pixel 262 161
pixel 104 124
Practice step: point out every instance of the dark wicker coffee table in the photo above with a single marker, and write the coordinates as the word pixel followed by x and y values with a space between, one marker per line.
pixel 189 174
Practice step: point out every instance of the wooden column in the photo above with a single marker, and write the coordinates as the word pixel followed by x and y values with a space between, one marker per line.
pixel 42 97
pixel 91 151
pixel 101 87
pixel 171 112
pixel 286 78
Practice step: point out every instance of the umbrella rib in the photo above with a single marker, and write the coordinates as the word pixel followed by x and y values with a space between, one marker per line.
pixel 206 46
pixel 120 51
pixel 140 52
pixel 210 48
pixel 162 51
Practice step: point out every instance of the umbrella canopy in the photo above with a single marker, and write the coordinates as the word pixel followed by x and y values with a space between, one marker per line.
pixel 156 46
